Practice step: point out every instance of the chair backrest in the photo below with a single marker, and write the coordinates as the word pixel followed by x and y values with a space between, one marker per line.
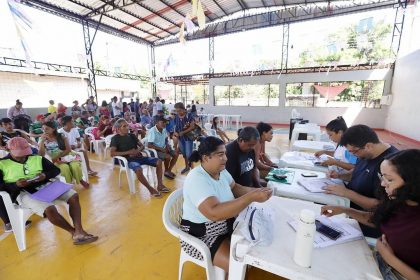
pixel 108 139
pixel 88 130
pixel 172 212
pixel 207 126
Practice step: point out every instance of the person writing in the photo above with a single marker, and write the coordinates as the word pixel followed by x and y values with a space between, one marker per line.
pixel 397 215
pixel 212 200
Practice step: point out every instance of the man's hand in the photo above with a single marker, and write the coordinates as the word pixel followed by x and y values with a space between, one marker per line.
pixel 328 162
pixel 41 177
pixel 336 189
pixel 319 153
pixel 332 174
pixel 22 183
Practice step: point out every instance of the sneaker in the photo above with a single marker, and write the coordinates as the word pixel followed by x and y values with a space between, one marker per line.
pixel 8 226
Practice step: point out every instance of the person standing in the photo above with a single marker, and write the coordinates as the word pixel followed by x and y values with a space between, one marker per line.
pixel 184 123
pixel 116 107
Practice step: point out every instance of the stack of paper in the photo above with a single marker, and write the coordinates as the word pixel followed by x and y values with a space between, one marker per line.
pixel 348 232
pixel 317 185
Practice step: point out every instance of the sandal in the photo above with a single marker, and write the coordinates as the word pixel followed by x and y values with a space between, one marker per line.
pixel 85 239
pixel 156 195
pixel 92 173
pixel 164 190
pixel 168 175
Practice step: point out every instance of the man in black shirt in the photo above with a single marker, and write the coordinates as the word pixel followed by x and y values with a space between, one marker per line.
pixel 9 133
pixel 364 181
pixel 241 158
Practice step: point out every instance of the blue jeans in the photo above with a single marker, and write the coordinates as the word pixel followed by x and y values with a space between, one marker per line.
pixel 388 273
pixel 136 163
pixel 186 147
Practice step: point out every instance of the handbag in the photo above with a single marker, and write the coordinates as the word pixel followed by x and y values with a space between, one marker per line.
pixel 70 157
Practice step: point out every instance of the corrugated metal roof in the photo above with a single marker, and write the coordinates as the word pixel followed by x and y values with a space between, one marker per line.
pixel 148 21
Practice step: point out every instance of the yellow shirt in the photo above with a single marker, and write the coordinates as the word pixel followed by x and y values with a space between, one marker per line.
pixel 52 109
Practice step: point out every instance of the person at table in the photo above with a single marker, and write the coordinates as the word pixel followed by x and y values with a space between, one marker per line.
pixel 22 174
pixel 212 200
pixel 241 158
pixel 363 184
pixel 263 161
pixel 397 215
pixel 341 159
pixel 219 131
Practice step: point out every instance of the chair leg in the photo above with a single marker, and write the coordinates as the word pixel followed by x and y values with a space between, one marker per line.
pixel 181 267
pixel 18 225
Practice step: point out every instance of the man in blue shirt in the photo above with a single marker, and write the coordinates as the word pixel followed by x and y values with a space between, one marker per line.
pixel 364 181
pixel 157 139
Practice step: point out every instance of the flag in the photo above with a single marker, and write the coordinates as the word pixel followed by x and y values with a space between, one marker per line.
pixel 200 15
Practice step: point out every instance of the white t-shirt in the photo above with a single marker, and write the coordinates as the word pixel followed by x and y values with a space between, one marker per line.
pixel 115 110
pixel 71 136
pixel 199 186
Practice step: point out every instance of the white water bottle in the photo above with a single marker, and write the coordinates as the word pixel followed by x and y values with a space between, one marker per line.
pixel 304 242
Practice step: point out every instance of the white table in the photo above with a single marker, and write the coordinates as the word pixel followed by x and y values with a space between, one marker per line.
pixel 234 118
pixel 309 128
pixel 300 160
pixel 313 146
pixel 296 191
pixel 347 261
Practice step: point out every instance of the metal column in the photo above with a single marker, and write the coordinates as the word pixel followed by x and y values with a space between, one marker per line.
pixel 211 56
pixel 89 59
pixel 398 27
pixel 285 47
pixel 153 70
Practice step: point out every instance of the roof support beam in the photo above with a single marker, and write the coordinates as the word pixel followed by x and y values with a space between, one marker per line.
pixel 220 7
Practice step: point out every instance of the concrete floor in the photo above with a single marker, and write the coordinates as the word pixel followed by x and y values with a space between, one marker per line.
pixel 133 243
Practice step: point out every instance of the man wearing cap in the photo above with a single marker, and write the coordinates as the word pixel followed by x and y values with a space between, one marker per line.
pixel 22 174
pixel 157 139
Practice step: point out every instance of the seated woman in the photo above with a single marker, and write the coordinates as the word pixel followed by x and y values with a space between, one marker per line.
pixel 264 164
pixel 341 159
pixel 104 128
pixel 397 216
pixel 57 147
pixel 220 132
pixel 212 200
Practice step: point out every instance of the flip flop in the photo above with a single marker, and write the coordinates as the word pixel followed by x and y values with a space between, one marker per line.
pixel 169 176
pixel 92 173
pixel 156 195
pixel 164 190
pixel 185 170
pixel 85 239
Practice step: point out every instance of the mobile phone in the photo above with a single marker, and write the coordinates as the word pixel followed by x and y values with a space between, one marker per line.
pixel 279 177
pixel 327 230
pixel 33 179
pixel 309 174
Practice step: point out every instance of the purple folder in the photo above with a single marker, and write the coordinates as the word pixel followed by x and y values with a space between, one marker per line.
pixel 51 191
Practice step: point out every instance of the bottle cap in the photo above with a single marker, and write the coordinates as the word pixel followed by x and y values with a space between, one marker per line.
pixel 307 216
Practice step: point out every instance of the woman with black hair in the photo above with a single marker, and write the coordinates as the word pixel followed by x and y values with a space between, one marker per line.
pixel 221 133
pixel 264 164
pixel 212 199
pixel 341 158
pixel 397 215
pixel 57 147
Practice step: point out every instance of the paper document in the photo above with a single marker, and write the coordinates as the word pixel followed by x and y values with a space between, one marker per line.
pixel 317 185
pixel 348 232
pixel 51 191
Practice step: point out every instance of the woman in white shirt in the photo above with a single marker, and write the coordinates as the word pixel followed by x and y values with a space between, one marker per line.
pixel 212 200
pixel 340 159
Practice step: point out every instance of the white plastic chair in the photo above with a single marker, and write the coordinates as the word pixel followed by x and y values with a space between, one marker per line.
pixel 107 144
pixel 171 216
pixel 84 166
pixel 94 143
pixel 18 217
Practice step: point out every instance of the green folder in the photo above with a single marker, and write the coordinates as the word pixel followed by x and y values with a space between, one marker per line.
pixel 280 171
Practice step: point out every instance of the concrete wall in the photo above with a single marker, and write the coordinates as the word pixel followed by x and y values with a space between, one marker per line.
pixel 281 114
pixel 403 116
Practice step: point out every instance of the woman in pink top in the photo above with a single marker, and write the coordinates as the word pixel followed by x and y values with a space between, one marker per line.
pixel 104 110
pixel 397 215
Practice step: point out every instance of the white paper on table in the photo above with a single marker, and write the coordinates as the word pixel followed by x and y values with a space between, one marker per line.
pixel 349 233
pixel 317 185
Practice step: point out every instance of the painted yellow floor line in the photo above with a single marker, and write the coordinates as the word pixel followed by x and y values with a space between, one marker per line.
pixel 4 235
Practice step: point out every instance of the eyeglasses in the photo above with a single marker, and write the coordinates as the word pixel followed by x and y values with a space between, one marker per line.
pixel 355 151
pixel 25 169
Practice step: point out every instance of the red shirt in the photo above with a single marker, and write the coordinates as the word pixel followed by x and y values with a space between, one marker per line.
pixel 104 111
pixel 402 232
pixel 107 132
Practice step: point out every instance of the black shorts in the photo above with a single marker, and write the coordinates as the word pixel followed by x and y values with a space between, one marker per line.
pixel 211 233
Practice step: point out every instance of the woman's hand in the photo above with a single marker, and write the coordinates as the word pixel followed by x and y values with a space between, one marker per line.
pixel 339 190
pixel 384 249
pixel 319 153
pixel 261 194
pixel 43 137
pixel 332 174
pixel 329 210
